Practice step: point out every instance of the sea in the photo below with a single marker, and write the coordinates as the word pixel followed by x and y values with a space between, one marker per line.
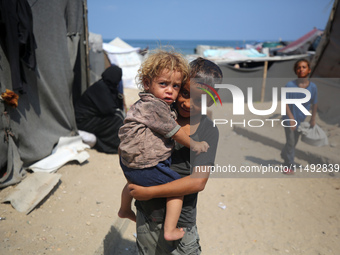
pixel 185 47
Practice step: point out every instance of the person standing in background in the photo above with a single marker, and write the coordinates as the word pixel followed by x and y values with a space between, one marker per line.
pixel 295 115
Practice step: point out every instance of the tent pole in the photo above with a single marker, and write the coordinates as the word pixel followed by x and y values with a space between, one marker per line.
pixel 264 80
pixel 87 53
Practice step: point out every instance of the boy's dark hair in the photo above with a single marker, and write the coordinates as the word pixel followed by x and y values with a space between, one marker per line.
pixel 299 61
pixel 205 71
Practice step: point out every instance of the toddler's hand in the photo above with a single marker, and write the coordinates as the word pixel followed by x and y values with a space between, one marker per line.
pixel 199 146
pixel 139 192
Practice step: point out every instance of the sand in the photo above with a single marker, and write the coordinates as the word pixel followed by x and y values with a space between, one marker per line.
pixel 279 215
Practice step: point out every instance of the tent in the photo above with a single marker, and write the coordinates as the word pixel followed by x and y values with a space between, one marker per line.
pixel 30 132
pixel 120 43
pixel 97 57
pixel 125 56
pixel 326 68
pixel 252 72
pixel 301 45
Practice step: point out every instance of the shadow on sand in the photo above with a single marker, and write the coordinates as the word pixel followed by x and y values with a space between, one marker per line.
pixel 114 244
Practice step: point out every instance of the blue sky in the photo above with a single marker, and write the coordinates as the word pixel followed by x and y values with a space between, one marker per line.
pixel 207 19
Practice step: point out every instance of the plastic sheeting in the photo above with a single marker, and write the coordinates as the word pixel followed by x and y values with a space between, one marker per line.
pixel 314 136
pixel 97 58
pixel 68 149
pixel 301 45
pixel 31 191
pixel 233 54
pixel 326 63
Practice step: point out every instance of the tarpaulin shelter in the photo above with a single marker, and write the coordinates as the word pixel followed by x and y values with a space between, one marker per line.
pixel 97 57
pixel 326 68
pixel 45 112
pixel 301 45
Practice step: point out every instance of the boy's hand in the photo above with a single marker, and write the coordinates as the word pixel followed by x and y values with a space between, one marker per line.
pixel 312 123
pixel 292 127
pixel 199 146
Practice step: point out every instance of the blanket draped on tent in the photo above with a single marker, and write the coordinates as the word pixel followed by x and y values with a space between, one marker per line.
pixel 17 38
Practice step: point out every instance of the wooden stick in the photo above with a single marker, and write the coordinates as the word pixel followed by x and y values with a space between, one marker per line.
pixel 264 80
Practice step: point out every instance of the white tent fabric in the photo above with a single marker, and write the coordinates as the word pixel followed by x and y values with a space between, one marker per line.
pixel 126 58
pixel 120 43
pixel 68 149
pixel 109 48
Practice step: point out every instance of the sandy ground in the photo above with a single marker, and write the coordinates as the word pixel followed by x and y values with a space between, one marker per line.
pixel 277 215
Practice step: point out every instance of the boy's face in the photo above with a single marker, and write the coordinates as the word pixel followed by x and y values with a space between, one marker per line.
pixel 166 86
pixel 302 70
pixel 189 100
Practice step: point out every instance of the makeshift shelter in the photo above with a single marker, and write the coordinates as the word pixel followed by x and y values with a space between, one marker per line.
pixel 262 74
pixel 326 68
pixel 30 132
pixel 120 43
pixel 126 57
pixel 97 57
pixel 301 45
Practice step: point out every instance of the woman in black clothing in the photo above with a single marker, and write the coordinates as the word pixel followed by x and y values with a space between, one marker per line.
pixel 100 110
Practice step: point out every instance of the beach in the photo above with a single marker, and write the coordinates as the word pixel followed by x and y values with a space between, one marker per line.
pixel 247 206
pixel 186 47
pixel 244 215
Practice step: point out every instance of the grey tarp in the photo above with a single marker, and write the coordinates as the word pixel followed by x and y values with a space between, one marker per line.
pixel 45 112
pixel 326 68
pixel 97 57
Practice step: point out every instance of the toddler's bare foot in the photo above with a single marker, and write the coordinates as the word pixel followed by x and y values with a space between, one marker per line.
pixel 129 214
pixel 174 234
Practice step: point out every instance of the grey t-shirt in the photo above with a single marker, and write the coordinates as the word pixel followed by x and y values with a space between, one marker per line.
pixel 154 209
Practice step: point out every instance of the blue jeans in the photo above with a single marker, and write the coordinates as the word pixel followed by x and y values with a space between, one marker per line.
pixel 288 151
pixel 151 176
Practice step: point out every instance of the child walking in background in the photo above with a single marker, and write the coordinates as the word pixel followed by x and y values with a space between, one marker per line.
pixel 302 70
pixel 146 143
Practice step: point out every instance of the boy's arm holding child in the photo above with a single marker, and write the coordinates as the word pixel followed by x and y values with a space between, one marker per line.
pixel 181 187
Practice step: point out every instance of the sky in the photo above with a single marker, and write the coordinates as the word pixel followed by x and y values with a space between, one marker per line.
pixel 207 19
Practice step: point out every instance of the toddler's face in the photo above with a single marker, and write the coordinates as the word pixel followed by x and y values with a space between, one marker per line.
pixel 166 86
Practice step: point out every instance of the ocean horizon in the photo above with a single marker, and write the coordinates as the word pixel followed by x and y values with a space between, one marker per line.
pixel 185 47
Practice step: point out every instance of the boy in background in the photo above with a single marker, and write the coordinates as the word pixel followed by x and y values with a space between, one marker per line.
pixel 302 70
